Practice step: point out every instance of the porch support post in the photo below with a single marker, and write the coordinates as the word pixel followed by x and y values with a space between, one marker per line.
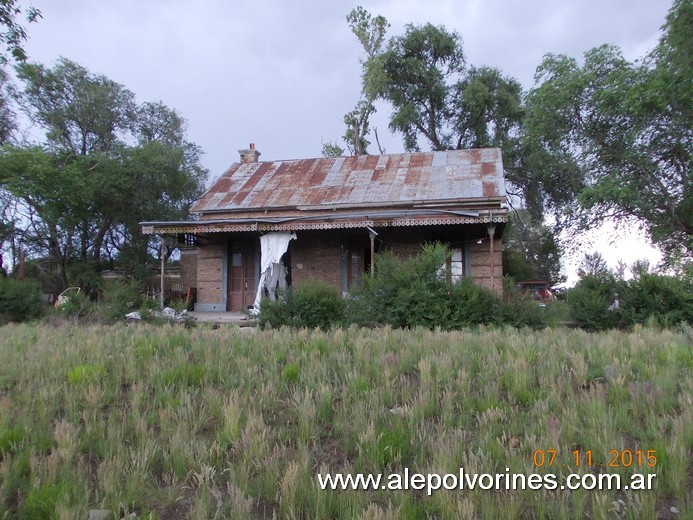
pixel 372 234
pixel 492 231
pixel 372 253
pixel 163 250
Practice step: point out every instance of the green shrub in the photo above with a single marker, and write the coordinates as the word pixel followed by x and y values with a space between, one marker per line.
pixel 312 305
pixel 649 299
pixel 590 301
pixel 277 313
pixel 590 308
pixel 665 299
pixel 120 297
pixel 521 311
pixel 317 305
pixel 77 305
pixel 403 292
pixel 19 300
pixel 472 304
pixel 414 292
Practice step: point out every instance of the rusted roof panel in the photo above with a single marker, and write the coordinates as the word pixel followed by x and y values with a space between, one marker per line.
pixel 359 181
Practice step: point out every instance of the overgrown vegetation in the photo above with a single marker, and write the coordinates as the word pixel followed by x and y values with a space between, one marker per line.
pixel 314 304
pixel 19 300
pixel 72 203
pixel 651 299
pixel 406 293
pixel 166 422
pixel 595 140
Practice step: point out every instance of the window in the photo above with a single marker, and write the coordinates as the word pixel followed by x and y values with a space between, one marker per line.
pixel 455 266
pixel 356 268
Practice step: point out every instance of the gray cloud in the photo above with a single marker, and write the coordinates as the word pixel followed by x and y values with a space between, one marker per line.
pixel 283 73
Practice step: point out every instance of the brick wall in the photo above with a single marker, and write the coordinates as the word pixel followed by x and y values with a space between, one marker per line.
pixel 481 264
pixel 188 268
pixel 317 255
pixel 406 242
pixel 209 273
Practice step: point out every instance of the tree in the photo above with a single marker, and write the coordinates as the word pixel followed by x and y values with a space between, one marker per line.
pixel 81 112
pixel 435 99
pixel 439 103
pixel 332 149
pixel 8 120
pixel 13 34
pixel 594 265
pixel 370 32
pixel 610 139
pixel 488 109
pixel 530 250
pixel 420 70
pixel 107 164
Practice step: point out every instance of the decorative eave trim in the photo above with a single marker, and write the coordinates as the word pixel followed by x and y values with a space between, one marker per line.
pixel 201 227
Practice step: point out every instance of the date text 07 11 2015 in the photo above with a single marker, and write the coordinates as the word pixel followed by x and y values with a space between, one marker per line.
pixel 617 458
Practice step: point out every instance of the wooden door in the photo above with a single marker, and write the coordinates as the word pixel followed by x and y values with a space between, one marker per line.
pixel 241 276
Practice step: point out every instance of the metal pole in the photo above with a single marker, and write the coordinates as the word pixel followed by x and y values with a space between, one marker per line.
pixel 161 296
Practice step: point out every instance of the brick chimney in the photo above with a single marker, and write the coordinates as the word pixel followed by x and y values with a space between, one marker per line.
pixel 249 155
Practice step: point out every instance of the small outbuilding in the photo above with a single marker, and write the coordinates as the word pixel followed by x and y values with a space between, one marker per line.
pixel 266 225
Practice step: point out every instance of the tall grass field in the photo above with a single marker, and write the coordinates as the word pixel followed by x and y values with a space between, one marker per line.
pixel 165 422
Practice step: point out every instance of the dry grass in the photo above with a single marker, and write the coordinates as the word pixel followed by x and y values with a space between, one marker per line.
pixel 166 422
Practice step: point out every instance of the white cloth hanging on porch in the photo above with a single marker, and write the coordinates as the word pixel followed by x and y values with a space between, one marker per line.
pixel 273 273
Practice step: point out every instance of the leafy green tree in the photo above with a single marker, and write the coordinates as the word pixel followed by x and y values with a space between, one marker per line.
pixel 81 112
pixel 530 250
pixel 593 265
pixel 610 139
pixel 107 164
pixel 370 32
pixel 12 32
pixel 332 149
pixel 437 102
pixel 420 70
pixel 8 120
pixel 488 109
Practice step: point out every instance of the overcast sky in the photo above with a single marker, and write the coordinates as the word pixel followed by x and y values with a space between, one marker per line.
pixel 282 73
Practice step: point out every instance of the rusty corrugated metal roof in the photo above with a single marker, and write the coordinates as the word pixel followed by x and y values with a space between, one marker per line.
pixel 368 180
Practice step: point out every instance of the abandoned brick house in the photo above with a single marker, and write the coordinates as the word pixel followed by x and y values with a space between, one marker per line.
pixel 264 225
